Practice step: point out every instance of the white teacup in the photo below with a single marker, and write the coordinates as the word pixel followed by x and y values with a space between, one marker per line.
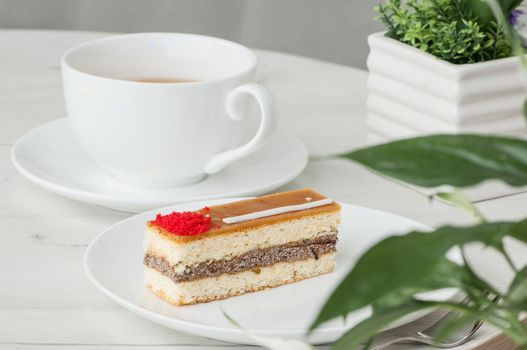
pixel 164 133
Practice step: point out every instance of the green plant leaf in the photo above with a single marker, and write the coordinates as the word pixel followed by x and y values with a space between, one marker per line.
pixel 446 274
pixel 459 200
pixel 363 331
pixel 457 160
pixel 519 231
pixel 511 5
pixel 463 321
pixel 485 15
pixel 482 10
pixel 400 263
pixel 517 293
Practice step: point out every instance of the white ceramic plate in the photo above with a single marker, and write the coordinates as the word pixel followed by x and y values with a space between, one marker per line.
pixel 51 157
pixel 113 262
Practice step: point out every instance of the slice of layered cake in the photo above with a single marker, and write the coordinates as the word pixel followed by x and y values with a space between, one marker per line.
pixel 240 247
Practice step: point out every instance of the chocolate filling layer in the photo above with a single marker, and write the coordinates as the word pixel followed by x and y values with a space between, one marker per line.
pixel 252 260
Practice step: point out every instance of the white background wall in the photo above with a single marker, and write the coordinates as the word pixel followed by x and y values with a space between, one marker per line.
pixel 333 30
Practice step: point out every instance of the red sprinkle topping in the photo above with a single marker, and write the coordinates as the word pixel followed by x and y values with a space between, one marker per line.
pixel 185 223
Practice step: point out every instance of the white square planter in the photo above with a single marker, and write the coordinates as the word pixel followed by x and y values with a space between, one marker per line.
pixel 413 93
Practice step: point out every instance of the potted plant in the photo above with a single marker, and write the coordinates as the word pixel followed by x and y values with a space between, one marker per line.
pixel 443 66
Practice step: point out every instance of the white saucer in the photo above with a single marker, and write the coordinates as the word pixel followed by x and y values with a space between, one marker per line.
pixel 113 262
pixel 50 157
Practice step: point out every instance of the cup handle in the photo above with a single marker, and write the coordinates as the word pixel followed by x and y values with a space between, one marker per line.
pixel 265 101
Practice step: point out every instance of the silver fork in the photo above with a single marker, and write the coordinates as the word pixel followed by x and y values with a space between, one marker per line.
pixel 404 334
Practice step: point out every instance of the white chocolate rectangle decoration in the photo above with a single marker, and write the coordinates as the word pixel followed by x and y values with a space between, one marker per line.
pixel 276 211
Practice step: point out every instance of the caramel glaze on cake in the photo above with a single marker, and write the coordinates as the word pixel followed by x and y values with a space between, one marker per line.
pixel 219 212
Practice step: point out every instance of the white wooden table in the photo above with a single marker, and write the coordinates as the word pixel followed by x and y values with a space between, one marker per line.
pixel 47 302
